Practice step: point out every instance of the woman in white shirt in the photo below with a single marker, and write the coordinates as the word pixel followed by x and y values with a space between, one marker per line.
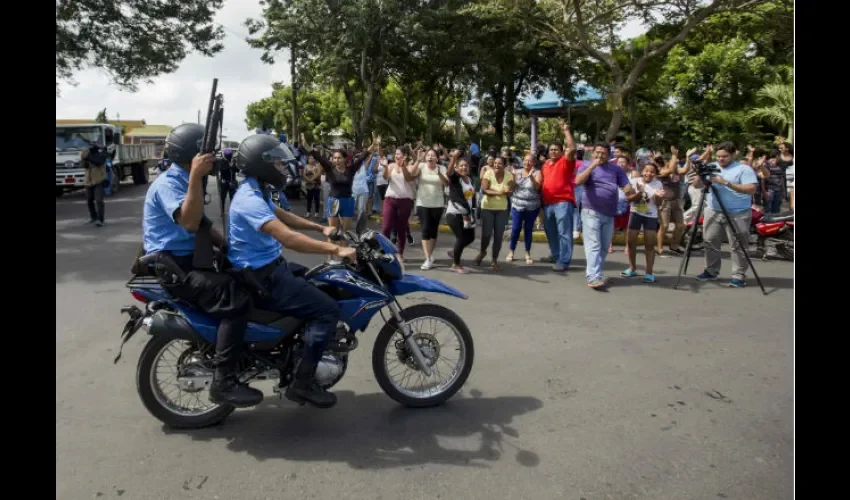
pixel 647 197
pixel 381 183
pixel 398 202
pixel 430 203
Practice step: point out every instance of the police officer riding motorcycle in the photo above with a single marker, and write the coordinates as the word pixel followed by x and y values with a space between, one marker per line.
pixel 176 229
pixel 258 230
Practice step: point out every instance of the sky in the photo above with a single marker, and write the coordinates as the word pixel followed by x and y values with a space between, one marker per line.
pixel 176 98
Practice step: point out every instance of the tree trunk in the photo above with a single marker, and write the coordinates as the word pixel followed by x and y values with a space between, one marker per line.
pixel 499 122
pixel 351 99
pixel 366 115
pixel 616 98
pixel 294 131
pixel 459 122
pixel 510 102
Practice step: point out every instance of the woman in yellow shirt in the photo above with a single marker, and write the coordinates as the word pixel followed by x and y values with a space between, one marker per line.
pixel 497 185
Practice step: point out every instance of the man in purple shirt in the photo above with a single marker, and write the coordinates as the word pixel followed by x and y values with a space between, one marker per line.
pixel 601 180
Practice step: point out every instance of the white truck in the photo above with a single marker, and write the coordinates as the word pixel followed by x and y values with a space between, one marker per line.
pixel 130 159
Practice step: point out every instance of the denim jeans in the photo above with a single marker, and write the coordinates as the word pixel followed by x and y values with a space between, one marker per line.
pixel 360 200
pixel 597 234
pixel 579 192
pixel 375 195
pixel 558 225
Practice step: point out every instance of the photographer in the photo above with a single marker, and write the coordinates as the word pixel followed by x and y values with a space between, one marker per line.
pixel 735 184
pixel 94 161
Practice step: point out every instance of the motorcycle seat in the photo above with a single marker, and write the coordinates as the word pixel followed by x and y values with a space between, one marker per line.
pixel 789 216
pixel 274 319
pixel 263 316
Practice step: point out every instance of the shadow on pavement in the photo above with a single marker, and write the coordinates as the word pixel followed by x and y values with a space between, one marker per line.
pixel 370 431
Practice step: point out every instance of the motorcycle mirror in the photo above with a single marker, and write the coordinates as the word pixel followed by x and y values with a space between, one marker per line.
pixel 334 208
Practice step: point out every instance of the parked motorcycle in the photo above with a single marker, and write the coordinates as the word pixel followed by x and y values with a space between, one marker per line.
pixel 776 236
pixel 182 338
pixel 756 216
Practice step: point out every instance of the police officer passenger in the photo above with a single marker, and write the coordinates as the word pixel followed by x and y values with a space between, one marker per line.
pixel 174 225
pixel 258 231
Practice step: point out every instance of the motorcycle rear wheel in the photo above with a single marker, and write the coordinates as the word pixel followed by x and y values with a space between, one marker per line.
pixel 152 396
pixel 390 333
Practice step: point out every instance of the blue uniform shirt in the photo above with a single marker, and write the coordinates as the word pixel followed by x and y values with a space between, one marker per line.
pixel 163 199
pixel 248 245
pixel 735 202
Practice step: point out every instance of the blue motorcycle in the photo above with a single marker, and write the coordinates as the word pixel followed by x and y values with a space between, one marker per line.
pixel 421 357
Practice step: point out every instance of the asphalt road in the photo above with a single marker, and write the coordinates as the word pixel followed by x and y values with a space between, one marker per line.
pixel 639 392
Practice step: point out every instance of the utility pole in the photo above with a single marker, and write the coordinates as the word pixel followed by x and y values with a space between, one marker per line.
pixel 294 131
pixel 199 117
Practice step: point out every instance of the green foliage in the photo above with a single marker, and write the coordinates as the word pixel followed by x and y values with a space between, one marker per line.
pixel 400 67
pixel 322 111
pixel 133 40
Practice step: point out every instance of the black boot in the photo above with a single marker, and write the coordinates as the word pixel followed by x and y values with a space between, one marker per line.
pixel 305 389
pixel 226 388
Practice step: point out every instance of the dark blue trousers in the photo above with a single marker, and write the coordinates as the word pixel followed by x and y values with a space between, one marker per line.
pixel 293 296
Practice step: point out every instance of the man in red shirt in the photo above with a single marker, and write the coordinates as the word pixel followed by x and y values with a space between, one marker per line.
pixel 559 200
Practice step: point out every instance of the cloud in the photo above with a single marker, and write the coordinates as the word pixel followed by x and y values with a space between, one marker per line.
pixel 176 98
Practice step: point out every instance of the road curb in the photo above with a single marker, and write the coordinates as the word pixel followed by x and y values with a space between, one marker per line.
pixel 540 236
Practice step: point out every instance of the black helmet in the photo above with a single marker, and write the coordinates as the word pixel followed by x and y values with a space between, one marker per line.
pixel 183 143
pixel 261 156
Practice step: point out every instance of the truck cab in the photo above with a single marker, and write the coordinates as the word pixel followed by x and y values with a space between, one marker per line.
pixel 127 159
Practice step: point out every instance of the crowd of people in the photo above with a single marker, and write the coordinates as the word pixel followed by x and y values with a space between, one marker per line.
pixel 570 193
pixel 569 190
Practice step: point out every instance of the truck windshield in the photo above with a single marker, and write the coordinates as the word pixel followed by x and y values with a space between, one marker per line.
pixel 77 138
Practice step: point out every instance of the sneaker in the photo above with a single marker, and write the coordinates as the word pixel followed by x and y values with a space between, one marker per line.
pixel 90 221
pixel 309 214
pixel 559 268
pixel 736 283
pixel 629 273
pixel 98 223
pixel 706 276
pixel 428 264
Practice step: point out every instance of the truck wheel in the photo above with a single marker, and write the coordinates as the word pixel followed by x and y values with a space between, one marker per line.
pixel 140 174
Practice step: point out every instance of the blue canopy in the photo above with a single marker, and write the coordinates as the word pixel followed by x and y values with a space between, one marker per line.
pixel 552 102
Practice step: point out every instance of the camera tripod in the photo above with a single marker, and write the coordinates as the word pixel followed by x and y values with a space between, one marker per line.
pixel 683 267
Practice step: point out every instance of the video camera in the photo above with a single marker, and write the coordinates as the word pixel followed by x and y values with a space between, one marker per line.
pixel 705 171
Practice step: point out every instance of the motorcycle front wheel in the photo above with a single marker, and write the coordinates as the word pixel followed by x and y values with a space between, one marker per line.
pixel 446 344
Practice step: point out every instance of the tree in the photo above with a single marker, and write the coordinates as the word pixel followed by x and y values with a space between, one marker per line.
pixel 778 105
pixel 588 28
pixel 132 40
pixel 322 110
pixel 339 42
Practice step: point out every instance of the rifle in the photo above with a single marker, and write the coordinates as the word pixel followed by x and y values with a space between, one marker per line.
pixel 204 256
